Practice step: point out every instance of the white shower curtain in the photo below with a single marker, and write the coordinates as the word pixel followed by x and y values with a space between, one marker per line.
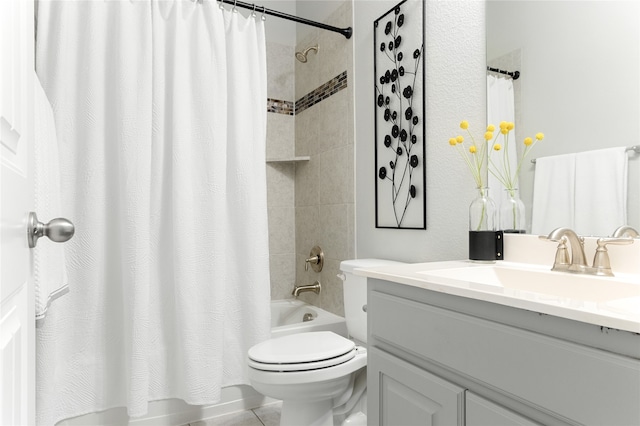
pixel 161 121
pixel 500 107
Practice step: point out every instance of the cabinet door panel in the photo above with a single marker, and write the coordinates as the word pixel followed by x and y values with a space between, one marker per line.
pixel 401 394
pixel 482 412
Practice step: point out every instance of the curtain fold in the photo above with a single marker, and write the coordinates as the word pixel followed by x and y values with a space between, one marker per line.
pixel 500 107
pixel 161 122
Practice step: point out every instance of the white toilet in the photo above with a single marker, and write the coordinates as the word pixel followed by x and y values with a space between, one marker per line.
pixel 320 376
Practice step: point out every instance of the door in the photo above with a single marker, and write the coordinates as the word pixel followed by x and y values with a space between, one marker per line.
pixel 17 306
pixel 400 393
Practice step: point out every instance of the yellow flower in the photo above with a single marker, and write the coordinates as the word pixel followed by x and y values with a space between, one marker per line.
pixel 491 128
pixel 474 154
pixel 504 171
pixel 488 136
pixel 506 127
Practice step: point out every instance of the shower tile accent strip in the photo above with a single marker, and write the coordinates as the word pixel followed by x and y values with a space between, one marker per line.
pixel 280 107
pixel 329 88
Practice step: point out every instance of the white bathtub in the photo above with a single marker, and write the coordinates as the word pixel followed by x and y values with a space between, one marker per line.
pixel 291 316
pixel 287 317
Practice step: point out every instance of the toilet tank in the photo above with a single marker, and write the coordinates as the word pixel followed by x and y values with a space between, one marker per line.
pixel 355 295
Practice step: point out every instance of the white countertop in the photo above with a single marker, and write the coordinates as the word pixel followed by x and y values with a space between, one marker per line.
pixel 608 302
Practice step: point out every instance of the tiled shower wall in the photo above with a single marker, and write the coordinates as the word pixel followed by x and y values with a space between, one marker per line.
pixel 324 186
pixel 281 175
pixel 314 198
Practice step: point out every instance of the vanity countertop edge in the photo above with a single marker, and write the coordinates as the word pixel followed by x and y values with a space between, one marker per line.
pixel 625 317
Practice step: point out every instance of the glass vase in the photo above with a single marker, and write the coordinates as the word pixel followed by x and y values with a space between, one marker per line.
pixel 482 212
pixel 512 213
pixel 483 238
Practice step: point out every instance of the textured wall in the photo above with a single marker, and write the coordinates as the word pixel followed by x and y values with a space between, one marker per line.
pixel 455 90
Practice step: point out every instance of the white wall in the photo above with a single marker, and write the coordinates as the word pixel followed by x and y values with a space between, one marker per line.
pixel 580 81
pixel 455 91
pixel 284 32
pixel 277 30
pixel 316 10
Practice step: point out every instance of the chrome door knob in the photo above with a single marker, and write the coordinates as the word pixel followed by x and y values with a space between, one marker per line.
pixel 58 230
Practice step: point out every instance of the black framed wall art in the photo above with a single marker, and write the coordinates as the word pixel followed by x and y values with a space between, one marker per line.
pixel 399 66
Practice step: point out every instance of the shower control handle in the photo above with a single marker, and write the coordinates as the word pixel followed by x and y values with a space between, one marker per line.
pixel 58 230
pixel 316 259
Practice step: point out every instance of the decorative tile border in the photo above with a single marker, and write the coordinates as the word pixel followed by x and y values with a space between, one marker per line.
pixel 329 88
pixel 280 107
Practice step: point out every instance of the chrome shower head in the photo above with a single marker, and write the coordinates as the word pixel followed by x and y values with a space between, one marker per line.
pixel 302 56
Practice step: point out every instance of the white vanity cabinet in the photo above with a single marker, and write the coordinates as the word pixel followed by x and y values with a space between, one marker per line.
pixel 482 412
pixel 409 395
pixel 441 359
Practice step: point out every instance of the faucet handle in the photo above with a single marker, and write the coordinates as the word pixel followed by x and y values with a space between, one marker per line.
pixel 601 263
pixel 562 260
pixel 316 259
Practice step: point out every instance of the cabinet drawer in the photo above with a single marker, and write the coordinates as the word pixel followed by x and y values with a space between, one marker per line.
pixel 577 382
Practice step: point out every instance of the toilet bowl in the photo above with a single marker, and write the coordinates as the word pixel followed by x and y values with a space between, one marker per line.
pixel 312 373
pixel 320 376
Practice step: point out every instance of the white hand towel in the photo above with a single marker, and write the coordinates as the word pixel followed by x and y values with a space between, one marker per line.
pixel 50 275
pixel 601 191
pixel 553 193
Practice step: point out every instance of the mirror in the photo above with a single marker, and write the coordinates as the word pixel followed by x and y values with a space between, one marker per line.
pixel 579 79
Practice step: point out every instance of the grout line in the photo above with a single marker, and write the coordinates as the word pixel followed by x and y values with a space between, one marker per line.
pixel 258 417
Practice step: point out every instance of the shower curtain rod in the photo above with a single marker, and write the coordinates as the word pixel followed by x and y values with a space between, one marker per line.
pixel 515 74
pixel 347 32
pixel 634 148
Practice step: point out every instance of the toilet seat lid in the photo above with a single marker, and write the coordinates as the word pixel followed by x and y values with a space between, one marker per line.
pixel 303 366
pixel 303 348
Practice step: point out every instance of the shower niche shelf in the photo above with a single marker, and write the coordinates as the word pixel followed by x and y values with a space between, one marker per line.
pixel 289 159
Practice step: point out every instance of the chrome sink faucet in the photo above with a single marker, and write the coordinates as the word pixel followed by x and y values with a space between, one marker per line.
pixel 577 264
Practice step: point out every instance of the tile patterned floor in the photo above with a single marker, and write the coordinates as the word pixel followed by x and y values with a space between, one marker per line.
pixel 268 415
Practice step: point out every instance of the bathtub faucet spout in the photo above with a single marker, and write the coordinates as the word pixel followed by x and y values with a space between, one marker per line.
pixel 315 287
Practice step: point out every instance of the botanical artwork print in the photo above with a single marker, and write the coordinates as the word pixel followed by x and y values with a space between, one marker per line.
pixel 399 117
